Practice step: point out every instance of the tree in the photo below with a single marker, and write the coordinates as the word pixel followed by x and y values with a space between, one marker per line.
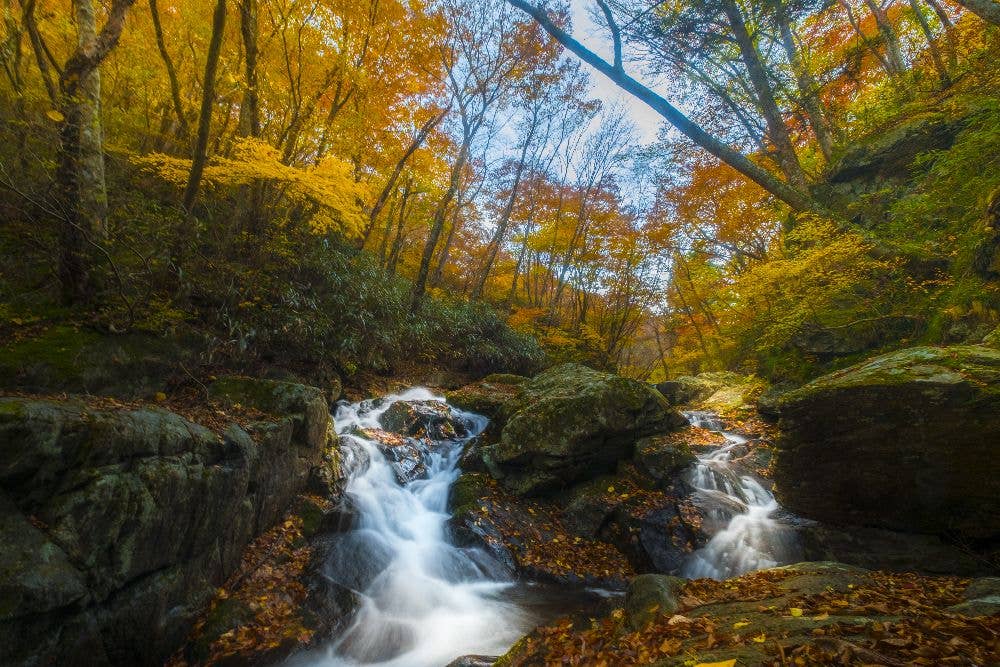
pixel 792 194
pixel 80 174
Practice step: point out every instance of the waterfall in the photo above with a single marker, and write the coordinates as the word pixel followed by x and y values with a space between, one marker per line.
pixel 424 600
pixel 740 511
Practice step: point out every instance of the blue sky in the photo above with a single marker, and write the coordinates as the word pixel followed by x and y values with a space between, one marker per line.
pixel 595 38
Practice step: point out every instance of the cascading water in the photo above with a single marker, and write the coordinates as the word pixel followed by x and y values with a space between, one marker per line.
pixel 424 600
pixel 746 536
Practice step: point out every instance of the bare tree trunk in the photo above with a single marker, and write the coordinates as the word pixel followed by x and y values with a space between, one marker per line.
pixel 949 31
pixel 796 197
pixel 80 172
pixel 777 131
pixel 207 102
pixel 807 85
pixel 508 210
pixel 168 63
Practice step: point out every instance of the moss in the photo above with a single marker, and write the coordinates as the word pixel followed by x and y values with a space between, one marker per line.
pixel 467 491
pixel 59 349
pixel 228 614
pixel 312 516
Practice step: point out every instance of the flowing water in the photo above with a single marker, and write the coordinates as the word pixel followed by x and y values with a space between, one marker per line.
pixel 425 601
pixel 746 535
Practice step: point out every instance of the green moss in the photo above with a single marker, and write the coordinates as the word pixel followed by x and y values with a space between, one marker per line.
pixel 467 491
pixel 58 350
pixel 311 515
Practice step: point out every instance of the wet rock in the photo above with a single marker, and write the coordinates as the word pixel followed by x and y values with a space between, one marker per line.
pixel 919 428
pixel 473 661
pixel 406 455
pixel 432 419
pixel 572 423
pixel 649 595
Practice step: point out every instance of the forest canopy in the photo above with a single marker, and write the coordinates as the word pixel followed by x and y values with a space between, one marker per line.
pixel 366 183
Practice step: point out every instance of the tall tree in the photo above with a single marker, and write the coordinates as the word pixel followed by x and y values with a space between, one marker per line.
pixel 80 172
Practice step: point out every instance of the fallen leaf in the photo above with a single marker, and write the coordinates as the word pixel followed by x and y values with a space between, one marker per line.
pixel 795 611
pixel 759 639
pixel 721 663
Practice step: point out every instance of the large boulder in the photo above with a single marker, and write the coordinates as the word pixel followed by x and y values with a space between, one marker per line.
pixel 572 423
pixel 904 441
pixel 117 525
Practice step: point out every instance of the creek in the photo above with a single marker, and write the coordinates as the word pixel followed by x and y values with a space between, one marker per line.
pixel 425 600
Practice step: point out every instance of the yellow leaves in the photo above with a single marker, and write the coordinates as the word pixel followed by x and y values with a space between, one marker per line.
pixel 331 184
pixel 55 116
pixel 740 624
pixel 759 639
pixel 160 397
pixel 795 611
pixel 721 663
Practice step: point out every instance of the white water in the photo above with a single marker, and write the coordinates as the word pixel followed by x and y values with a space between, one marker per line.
pixel 424 600
pixel 748 536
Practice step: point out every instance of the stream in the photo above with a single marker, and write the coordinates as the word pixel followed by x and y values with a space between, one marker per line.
pixel 426 601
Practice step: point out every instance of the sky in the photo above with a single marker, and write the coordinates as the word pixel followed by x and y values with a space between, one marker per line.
pixel 595 38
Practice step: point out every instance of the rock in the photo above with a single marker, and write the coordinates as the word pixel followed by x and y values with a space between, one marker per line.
pixel 432 419
pixel 982 598
pixel 572 423
pixel 77 360
pixel 306 405
pixel 473 661
pixel 663 457
pixel 879 549
pixel 904 441
pixel 407 456
pixel 117 526
pixel 649 595
pixel 487 397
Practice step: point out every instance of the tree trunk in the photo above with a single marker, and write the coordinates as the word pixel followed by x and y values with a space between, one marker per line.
pixel 932 47
pixel 417 142
pixel 777 131
pixel 807 85
pixel 249 125
pixel 949 31
pixel 797 198
pixel 889 37
pixel 80 171
pixel 168 63
pixel 200 156
pixel 437 224
pixel 508 210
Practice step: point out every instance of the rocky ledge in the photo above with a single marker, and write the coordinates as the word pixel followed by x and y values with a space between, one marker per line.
pixel 805 614
pixel 119 521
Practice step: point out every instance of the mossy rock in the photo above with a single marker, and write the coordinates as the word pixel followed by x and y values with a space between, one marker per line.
pixel 572 423
pixel 77 360
pixel 904 441
pixel 663 457
pixel 649 595
pixel 467 491
pixel 488 397
pixel 306 405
